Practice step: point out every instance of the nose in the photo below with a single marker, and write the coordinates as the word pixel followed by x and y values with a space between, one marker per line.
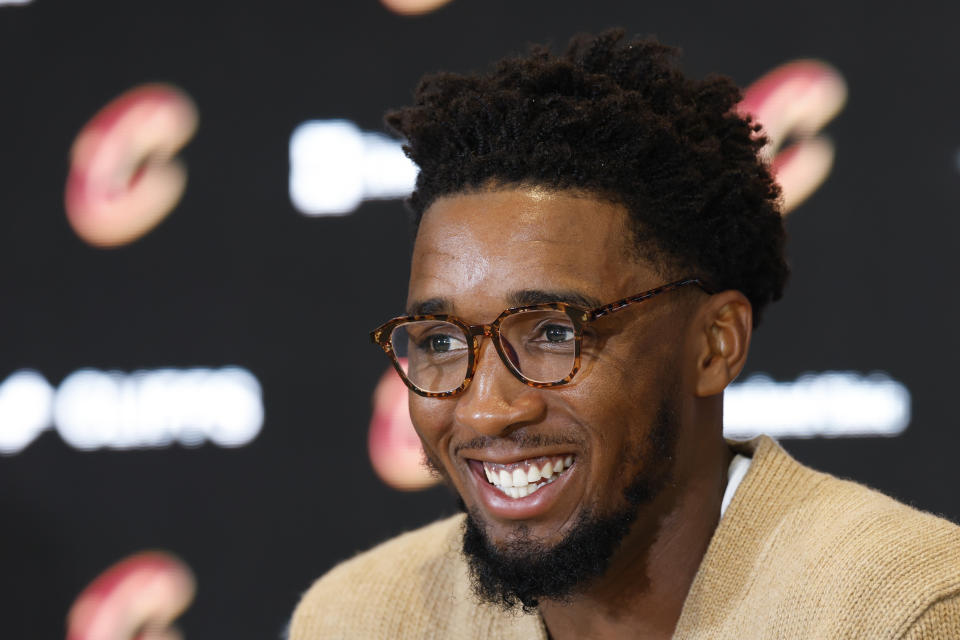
pixel 495 402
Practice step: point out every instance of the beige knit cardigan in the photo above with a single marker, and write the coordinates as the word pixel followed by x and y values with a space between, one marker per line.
pixel 798 554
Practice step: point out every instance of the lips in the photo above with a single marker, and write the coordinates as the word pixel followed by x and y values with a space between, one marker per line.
pixel 520 479
pixel 522 489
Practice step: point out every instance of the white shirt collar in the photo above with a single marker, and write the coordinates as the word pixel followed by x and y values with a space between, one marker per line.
pixel 738 468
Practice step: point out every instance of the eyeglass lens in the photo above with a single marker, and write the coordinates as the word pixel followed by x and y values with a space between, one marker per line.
pixel 540 346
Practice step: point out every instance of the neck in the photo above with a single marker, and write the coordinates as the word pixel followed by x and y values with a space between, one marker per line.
pixel 643 592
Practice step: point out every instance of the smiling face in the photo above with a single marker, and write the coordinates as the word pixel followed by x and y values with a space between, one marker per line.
pixel 480 253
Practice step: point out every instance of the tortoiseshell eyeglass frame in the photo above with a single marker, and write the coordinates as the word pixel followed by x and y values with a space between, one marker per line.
pixel 579 316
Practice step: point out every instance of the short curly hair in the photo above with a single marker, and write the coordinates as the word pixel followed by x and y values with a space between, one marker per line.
pixel 615 119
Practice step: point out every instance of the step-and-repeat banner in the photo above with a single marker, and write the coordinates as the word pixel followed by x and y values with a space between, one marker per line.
pixel 201 218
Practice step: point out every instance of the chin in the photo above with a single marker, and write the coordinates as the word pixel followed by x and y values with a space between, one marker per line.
pixel 523 570
pixel 523 566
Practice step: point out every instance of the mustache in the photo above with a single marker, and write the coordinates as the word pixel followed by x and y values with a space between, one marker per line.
pixel 519 438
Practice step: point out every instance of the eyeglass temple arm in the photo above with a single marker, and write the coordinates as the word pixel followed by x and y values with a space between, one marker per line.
pixel 612 307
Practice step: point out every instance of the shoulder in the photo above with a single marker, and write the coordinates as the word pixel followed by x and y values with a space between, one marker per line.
pixel 847 525
pixel 413 586
pixel 358 597
pixel 940 621
pixel 823 510
pixel 886 556
pixel 825 555
pixel 405 557
pixel 881 551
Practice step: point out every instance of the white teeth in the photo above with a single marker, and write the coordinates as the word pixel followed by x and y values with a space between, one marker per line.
pixel 520 483
pixel 533 475
pixel 522 492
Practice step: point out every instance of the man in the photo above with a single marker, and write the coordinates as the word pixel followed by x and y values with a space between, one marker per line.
pixel 596 241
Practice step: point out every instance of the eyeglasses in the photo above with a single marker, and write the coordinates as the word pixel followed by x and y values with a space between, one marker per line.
pixel 437 355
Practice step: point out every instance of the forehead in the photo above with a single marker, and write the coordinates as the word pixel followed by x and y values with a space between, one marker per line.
pixel 477 250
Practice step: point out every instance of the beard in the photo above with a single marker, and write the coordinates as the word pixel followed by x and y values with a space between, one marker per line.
pixel 525 571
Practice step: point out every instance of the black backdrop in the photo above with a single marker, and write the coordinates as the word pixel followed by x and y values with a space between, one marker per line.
pixel 236 276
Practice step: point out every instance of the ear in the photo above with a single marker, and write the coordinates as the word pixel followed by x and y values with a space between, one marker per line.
pixel 725 322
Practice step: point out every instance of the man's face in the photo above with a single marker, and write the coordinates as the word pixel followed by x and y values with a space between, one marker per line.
pixel 478 254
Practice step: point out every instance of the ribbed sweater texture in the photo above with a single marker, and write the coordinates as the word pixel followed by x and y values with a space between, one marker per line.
pixel 799 554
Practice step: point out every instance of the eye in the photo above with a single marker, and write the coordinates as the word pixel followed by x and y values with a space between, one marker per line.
pixel 439 343
pixel 442 342
pixel 556 333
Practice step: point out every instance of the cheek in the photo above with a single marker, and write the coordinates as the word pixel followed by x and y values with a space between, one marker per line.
pixel 431 418
pixel 617 386
pixel 617 401
pixel 640 371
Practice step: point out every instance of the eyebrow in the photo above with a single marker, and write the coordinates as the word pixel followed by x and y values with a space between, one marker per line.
pixel 438 305
pixel 537 296
pixel 431 306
